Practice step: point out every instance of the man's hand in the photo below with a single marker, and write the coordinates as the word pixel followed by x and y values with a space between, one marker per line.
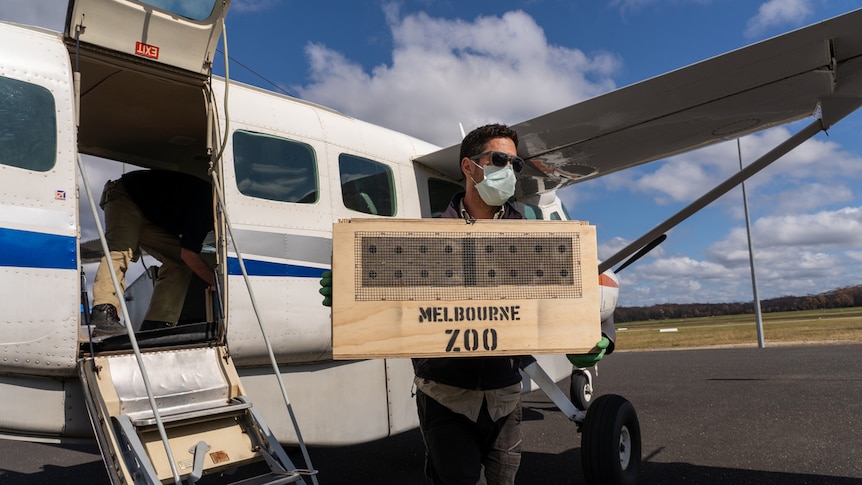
pixel 589 360
pixel 326 287
pixel 194 261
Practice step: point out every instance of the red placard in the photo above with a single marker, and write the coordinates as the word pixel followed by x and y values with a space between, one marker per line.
pixel 146 50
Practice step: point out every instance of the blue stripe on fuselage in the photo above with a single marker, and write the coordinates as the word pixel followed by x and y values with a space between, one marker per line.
pixel 28 249
pixel 39 250
pixel 265 268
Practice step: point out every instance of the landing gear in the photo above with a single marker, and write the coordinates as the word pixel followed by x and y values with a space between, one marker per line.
pixel 610 433
pixel 581 388
pixel 611 442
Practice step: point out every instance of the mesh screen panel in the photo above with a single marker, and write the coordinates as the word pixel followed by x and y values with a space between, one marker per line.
pixel 399 266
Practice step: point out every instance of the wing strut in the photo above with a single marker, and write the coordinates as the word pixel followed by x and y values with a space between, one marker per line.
pixel 706 199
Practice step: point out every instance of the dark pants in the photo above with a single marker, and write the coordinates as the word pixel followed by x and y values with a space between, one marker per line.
pixel 457 449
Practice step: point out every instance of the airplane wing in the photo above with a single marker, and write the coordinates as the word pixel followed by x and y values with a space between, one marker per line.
pixel 810 71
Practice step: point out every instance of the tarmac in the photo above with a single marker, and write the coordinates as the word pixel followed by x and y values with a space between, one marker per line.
pixel 780 414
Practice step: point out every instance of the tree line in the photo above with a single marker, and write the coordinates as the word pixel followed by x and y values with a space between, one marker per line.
pixel 841 298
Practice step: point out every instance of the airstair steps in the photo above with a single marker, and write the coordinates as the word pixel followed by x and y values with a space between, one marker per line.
pixel 232 408
pixel 209 425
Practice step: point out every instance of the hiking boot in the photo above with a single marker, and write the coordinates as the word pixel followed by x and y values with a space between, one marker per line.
pixel 106 321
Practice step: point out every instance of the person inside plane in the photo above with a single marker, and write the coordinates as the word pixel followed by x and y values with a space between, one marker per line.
pixel 470 408
pixel 168 214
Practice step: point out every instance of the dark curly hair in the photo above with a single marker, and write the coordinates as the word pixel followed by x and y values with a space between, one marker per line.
pixel 475 141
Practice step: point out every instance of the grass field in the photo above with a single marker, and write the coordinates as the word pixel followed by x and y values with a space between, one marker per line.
pixel 800 327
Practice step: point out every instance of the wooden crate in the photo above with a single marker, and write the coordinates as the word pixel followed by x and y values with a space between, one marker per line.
pixel 445 288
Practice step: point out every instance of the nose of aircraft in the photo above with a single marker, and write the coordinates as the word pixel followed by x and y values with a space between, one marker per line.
pixel 609 287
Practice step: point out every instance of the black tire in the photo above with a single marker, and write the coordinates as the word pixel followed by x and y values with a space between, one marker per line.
pixel 580 390
pixel 611 442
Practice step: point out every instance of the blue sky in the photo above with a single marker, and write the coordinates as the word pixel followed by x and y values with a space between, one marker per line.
pixel 510 61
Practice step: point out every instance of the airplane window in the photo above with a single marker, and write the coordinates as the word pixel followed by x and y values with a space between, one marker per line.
pixel 366 185
pixel 28 134
pixel 440 193
pixel 198 10
pixel 273 168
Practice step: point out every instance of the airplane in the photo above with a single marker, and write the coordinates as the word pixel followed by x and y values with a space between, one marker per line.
pixel 131 82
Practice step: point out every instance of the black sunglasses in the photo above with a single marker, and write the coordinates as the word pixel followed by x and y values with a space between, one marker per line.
pixel 500 159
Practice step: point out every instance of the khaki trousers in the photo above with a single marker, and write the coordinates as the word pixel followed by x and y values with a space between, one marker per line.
pixel 127 231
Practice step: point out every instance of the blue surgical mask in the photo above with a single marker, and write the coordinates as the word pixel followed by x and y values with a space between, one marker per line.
pixel 498 185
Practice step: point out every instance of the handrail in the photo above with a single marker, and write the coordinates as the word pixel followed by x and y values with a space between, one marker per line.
pixel 229 226
pixel 132 339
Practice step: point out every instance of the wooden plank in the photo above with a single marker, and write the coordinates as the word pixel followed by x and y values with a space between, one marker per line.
pixel 445 288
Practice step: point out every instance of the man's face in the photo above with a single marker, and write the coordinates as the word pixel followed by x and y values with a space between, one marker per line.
pixel 473 167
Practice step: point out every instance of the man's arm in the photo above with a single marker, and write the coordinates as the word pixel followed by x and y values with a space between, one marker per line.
pixel 194 261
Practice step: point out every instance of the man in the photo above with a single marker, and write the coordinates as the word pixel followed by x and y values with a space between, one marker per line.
pixel 168 214
pixel 470 408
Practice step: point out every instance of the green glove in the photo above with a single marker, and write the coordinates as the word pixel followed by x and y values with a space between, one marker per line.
pixel 326 287
pixel 589 360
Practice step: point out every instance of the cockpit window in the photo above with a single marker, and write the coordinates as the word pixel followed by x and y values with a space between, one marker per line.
pixel 190 9
pixel 269 167
pixel 366 186
pixel 440 193
pixel 28 132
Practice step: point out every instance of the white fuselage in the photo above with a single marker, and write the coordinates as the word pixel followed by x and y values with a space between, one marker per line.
pixel 285 242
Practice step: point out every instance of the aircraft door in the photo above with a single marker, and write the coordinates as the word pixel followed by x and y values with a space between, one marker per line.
pixel 178 34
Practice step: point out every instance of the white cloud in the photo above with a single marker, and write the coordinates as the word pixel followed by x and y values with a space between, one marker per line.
pixel 778 13
pixel 776 237
pixel 806 197
pixel 450 71
pixel 610 247
pixel 817 159
pixel 675 266
pixel 811 176
pixel 800 265
pixel 678 279
pixel 827 229
pixel 680 179
pixel 682 279
pixel 794 255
